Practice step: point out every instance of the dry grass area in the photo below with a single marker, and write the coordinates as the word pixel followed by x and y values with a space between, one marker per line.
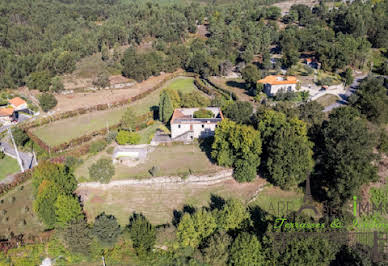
pixel 236 85
pixel 82 100
pixel 158 202
pixel 174 160
pixel 327 99
pixel 16 213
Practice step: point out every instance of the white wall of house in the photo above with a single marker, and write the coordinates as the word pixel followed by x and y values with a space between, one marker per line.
pixel 200 130
pixel 20 107
pixel 271 90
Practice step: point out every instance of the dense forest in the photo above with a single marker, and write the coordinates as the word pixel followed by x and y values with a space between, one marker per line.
pixel 42 39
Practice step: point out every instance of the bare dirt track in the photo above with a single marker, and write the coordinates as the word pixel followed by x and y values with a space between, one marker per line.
pixel 81 100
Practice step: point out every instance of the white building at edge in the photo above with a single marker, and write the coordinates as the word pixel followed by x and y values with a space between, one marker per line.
pixel 184 127
pixel 273 84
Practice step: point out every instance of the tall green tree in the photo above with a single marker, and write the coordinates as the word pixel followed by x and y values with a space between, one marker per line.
pixel 216 251
pixel 77 237
pixel 67 209
pixel 43 205
pixel 165 107
pixel 106 229
pixel 246 250
pixel 347 155
pixel 289 155
pixel 142 233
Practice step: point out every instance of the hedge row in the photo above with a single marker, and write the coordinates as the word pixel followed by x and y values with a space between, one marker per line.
pixel 224 92
pixel 100 107
pixel 80 111
pixel 202 87
pixel 17 180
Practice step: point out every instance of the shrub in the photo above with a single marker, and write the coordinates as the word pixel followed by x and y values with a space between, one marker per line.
pixel 72 162
pixel 154 170
pixel 2 155
pixel 111 136
pixel 102 171
pixel 203 113
pixel 126 137
pixel 20 136
pixel 110 150
pixel 47 101
pixel 97 146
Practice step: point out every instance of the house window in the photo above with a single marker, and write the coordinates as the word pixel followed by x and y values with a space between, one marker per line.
pixel 203 126
pixel 179 126
pixel 289 88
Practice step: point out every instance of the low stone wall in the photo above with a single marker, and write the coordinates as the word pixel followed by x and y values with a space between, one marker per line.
pixel 192 179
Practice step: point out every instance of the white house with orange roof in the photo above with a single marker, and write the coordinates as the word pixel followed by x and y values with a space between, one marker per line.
pixel 185 127
pixel 18 103
pixel 273 84
pixel 6 115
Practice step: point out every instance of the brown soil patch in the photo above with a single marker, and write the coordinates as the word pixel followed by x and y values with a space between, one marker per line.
pixel 83 100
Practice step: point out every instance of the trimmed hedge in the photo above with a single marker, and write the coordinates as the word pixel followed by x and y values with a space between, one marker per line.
pixel 99 107
pixel 18 179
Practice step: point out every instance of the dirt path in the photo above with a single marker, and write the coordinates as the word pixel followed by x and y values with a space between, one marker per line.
pixel 199 180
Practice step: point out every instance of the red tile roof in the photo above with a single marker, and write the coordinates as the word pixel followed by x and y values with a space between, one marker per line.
pixel 17 101
pixel 6 111
pixel 277 80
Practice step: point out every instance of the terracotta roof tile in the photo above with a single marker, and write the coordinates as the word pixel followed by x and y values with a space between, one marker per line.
pixel 277 80
pixel 6 111
pixel 17 101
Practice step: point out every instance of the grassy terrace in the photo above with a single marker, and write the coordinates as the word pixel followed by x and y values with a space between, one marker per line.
pixel 64 130
pixel 158 202
pixel 8 166
pixel 172 161
pixel 327 99
pixel 16 213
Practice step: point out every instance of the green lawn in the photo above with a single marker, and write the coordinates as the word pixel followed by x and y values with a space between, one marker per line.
pixel 172 160
pixel 16 213
pixel 8 166
pixel 183 84
pixel 65 130
pixel 274 201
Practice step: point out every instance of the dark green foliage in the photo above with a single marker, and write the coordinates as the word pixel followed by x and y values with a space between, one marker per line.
pixel 165 107
pixel 356 255
pixel 102 171
pixel 347 155
pixel 383 143
pixel 216 251
pixel 372 100
pixel 251 75
pixel 283 95
pixel 77 237
pixel 347 76
pixel 142 234
pixel 246 250
pixel 203 113
pixel 39 81
pixel 19 136
pixel 106 229
pixel 102 80
pixel 311 113
pixel 237 146
pixel 239 112
pixel 56 84
pixel 47 101
pixel 2 155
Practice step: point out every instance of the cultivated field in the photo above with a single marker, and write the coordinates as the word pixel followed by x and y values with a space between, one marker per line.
pixel 174 160
pixel 16 213
pixel 158 202
pixel 8 166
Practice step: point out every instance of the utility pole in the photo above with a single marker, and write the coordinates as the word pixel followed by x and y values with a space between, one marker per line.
pixel 16 150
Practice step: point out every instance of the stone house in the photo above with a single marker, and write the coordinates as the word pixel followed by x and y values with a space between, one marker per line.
pixel 185 127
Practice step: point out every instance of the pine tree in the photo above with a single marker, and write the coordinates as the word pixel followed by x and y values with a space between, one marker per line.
pixel 165 107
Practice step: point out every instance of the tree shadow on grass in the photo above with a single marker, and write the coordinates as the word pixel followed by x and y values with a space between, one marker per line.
pixel 233 83
pixel 177 214
pixel 205 144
